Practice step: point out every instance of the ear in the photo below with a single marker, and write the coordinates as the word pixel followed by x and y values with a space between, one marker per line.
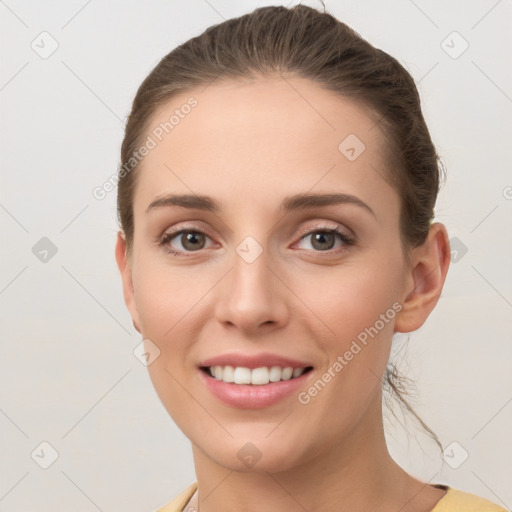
pixel 425 280
pixel 124 263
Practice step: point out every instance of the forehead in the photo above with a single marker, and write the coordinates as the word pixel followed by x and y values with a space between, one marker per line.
pixel 267 137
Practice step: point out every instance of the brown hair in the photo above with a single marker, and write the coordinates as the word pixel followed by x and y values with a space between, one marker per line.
pixel 316 46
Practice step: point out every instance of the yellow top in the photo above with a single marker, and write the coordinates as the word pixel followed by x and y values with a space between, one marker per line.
pixel 453 501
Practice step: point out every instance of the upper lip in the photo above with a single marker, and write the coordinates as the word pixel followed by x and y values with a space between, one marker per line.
pixel 254 361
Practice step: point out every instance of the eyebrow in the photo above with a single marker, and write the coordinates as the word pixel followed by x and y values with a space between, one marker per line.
pixel 296 202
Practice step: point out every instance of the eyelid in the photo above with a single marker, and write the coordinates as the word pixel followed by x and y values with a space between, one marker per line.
pixel 320 226
pixel 338 230
pixel 173 232
pixel 183 227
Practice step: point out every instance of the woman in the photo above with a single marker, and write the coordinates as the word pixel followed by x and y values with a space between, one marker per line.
pixel 276 199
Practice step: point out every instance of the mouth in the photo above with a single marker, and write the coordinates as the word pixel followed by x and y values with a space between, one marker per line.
pixel 253 381
pixel 261 376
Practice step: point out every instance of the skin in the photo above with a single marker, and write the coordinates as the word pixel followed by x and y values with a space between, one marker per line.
pixel 248 144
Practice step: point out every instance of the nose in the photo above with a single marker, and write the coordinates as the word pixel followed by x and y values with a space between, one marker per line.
pixel 252 296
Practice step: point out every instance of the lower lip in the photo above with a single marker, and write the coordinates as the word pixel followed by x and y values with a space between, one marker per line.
pixel 249 396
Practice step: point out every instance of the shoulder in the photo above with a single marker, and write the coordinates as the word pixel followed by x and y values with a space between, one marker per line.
pixel 178 503
pixel 453 501
pixel 460 501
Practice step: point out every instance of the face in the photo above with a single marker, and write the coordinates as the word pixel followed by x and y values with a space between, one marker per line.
pixel 268 278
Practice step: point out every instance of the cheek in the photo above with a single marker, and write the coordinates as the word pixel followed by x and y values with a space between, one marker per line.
pixel 166 296
pixel 360 314
pixel 357 305
pixel 351 299
pixel 168 302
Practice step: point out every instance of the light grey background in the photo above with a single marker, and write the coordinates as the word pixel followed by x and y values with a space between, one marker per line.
pixel 68 375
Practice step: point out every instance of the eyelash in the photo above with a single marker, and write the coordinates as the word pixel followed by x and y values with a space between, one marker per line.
pixel 347 240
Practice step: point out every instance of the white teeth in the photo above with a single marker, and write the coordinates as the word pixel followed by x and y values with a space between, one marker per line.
pixel 287 373
pixel 297 372
pixel 242 375
pixel 274 374
pixel 257 376
pixel 228 374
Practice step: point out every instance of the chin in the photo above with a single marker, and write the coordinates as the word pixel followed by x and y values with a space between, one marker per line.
pixel 258 454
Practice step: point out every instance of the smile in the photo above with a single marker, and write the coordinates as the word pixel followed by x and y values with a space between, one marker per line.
pixel 256 376
pixel 253 381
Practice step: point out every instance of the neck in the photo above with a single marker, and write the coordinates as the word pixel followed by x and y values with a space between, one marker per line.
pixel 356 472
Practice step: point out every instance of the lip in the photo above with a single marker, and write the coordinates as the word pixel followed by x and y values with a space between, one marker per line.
pixel 249 396
pixel 254 361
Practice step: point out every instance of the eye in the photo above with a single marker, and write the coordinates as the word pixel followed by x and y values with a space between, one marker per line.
pixel 324 239
pixel 189 240
pixel 184 240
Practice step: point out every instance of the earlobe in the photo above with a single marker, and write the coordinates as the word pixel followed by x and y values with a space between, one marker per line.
pixel 124 266
pixel 430 263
